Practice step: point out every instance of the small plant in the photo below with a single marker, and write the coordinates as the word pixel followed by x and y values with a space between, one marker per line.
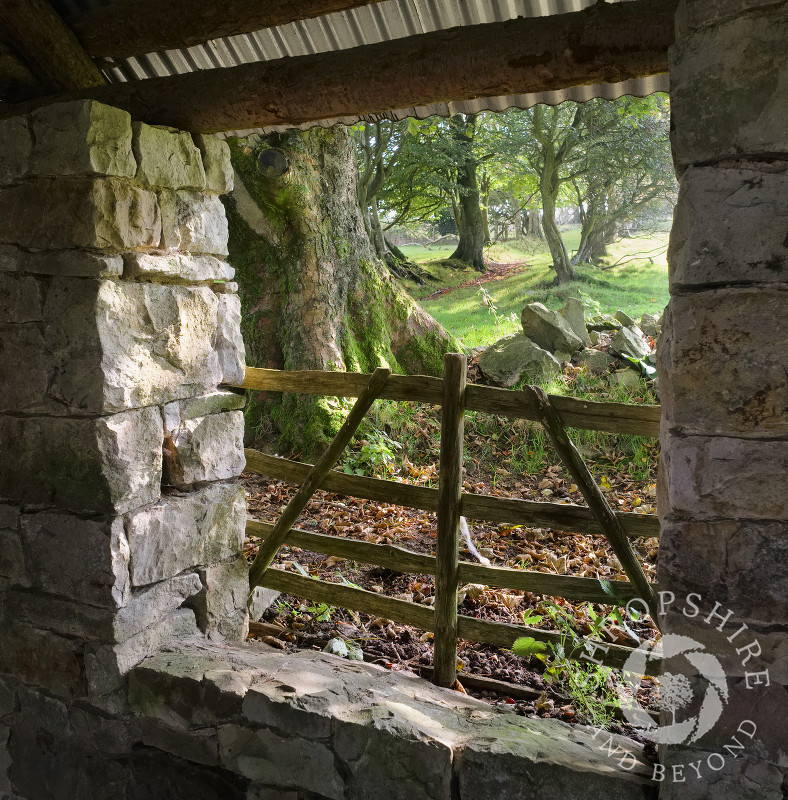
pixel 376 455
pixel 589 685
pixel 322 612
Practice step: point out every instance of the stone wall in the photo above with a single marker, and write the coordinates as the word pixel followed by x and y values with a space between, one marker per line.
pixel 723 385
pixel 119 320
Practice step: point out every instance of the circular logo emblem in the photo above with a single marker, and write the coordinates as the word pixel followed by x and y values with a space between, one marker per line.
pixel 678 696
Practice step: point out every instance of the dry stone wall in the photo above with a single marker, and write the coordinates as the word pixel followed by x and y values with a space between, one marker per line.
pixel 119 322
pixel 724 396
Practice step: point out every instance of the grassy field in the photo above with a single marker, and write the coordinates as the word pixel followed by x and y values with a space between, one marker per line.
pixel 638 285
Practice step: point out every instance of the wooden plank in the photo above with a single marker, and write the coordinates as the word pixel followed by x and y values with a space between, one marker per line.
pixel 338 594
pixel 447 573
pixel 48 46
pixel 399 559
pixel 17 82
pixel 597 503
pixel 569 518
pixel 605 43
pixel 402 494
pixel 403 612
pixel 390 556
pixel 420 388
pixel 134 27
pixel 504 636
pixel 642 420
pixel 565 517
pixel 267 551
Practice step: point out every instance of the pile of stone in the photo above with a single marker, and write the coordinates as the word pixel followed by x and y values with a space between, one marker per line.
pixel 616 346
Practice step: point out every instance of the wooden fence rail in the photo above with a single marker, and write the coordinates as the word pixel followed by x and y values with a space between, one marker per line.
pixel 565 517
pixel 640 420
pixel 449 501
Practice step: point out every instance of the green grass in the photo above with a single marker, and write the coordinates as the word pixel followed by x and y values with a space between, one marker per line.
pixel 635 287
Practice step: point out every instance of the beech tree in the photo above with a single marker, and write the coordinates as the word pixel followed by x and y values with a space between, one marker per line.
pixel 314 295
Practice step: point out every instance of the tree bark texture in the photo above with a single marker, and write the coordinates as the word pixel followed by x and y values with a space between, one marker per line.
pixel 313 293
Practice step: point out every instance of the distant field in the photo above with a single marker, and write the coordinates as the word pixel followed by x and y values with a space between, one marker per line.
pixel 638 286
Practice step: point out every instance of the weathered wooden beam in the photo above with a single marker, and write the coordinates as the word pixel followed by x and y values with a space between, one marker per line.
pixel 17 82
pixel 447 561
pixel 603 44
pixel 134 27
pixel 47 45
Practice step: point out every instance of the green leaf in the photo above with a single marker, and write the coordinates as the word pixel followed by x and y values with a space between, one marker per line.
pixel 532 619
pixel 527 646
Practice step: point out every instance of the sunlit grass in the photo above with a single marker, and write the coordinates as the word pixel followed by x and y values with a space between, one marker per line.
pixel 638 285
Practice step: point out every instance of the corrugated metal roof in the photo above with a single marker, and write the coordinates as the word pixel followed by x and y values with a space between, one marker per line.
pixel 370 24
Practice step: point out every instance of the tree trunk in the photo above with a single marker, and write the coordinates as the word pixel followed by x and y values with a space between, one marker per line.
pixel 561 264
pixel 313 293
pixel 470 223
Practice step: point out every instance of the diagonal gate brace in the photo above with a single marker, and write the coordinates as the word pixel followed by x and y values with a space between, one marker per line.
pixel 597 503
pixel 277 537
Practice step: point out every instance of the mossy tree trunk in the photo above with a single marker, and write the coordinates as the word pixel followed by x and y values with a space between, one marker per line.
pixel 314 295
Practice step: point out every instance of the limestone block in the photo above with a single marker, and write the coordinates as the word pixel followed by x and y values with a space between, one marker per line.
pixel 92 557
pixel 181 411
pixel 12 558
pixel 126 345
pixel 729 89
pixel 73 263
pixel 199 746
pixel 166 158
pixel 17 144
pixel 143 609
pixel 82 138
pixel 105 465
pixel 261 600
pixel 229 341
pixel 193 223
pixel 10 258
pixel 721 477
pixel 515 358
pixel 220 607
pixel 99 213
pixel 596 361
pixel 216 160
pixel 24 369
pixel 574 313
pixel 549 329
pixel 5 760
pixel 515 758
pixel 729 227
pixel 267 756
pixel 395 757
pixel 630 341
pixel 177 268
pixel 694 14
pixel 721 362
pixel 739 564
pixel 42 659
pixel 203 527
pixel 648 322
pixel 210 448
pixel 20 298
pixel 107 665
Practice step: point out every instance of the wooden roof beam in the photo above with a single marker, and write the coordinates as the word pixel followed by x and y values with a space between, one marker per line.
pixel 135 27
pixel 606 43
pixel 47 46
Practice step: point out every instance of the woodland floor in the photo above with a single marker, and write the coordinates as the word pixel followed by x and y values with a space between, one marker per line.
pixel 495 464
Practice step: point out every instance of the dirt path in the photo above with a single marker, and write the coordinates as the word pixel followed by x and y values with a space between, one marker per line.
pixel 495 272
